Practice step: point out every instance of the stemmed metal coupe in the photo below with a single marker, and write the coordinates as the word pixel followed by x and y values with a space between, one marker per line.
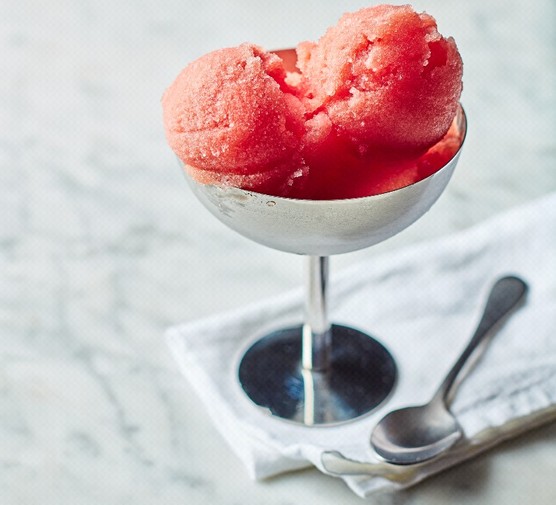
pixel 319 373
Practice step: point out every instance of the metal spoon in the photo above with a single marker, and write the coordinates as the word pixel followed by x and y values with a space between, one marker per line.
pixel 415 434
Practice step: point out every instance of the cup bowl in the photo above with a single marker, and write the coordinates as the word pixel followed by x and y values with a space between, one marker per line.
pixel 326 227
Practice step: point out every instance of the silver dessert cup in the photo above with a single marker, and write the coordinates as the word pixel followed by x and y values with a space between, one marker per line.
pixel 317 373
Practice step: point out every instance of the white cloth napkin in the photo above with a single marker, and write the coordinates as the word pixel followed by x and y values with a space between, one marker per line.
pixel 423 303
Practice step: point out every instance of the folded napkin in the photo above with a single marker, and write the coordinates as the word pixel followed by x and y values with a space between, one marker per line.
pixel 422 303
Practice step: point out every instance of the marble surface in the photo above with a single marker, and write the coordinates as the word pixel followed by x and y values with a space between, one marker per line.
pixel 102 246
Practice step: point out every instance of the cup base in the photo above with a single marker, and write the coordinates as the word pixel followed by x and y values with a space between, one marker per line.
pixel 361 375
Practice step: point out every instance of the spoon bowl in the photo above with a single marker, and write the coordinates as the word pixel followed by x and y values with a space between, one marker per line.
pixel 416 434
pixel 429 430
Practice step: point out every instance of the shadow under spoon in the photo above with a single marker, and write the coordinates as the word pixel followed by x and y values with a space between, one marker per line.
pixel 415 434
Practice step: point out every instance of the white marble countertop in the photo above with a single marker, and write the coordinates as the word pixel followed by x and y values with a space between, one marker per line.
pixel 102 245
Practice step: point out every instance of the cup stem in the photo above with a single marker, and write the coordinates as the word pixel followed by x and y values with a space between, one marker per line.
pixel 343 374
pixel 316 335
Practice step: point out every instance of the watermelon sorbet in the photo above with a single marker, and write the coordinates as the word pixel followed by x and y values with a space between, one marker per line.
pixel 368 109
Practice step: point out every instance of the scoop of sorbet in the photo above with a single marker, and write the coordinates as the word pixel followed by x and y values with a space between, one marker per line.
pixel 385 77
pixel 232 119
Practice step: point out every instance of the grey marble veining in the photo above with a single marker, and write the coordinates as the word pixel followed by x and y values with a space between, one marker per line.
pixel 102 245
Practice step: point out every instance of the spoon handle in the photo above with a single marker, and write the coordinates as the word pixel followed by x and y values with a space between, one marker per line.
pixel 505 295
